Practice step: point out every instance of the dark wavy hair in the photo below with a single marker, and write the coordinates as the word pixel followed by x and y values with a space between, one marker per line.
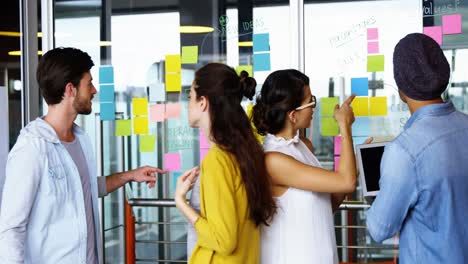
pixel 282 91
pixel 58 67
pixel 231 131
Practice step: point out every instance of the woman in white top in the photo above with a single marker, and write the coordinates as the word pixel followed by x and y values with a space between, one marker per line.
pixel 302 231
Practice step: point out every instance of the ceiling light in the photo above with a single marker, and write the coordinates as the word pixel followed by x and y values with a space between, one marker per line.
pixel 16 34
pixel 195 29
pixel 18 52
pixel 245 43
pixel 105 43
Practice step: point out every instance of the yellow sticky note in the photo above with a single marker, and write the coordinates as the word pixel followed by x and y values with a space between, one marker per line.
pixel 375 63
pixel 147 143
pixel 173 63
pixel 190 55
pixel 378 106
pixel 173 82
pixel 123 127
pixel 361 106
pixel 140 125
pixel 328 105
pixel 247 68
pixel 329 127
pixel 140 106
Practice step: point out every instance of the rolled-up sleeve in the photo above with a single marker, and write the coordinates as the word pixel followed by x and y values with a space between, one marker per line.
pixel 23 173
pixel 398 193
pixel 102 186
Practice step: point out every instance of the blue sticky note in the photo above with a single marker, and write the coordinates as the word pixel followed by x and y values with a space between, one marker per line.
pixel 106 93
pixel 361 127
pixel 106 74
pixel 261 42
pixel 107 111
pixel 360 86
pixel 175 176
pixel 262 62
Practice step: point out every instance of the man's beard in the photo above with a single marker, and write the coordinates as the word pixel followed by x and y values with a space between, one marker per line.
pixel 82 106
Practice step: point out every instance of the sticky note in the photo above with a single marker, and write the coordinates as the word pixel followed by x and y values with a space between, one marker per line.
pixel 157 92
pixel 360 86
pixel 123 127
pixel 328 105
pixel 247 68
pixel 372 34
pixel 172 161
pixel 175 177
pixel 203 140
pixel 452 24
pixel 261 42
pixel 434 32
pixel 189 55
pixel 337 144
pixel 378 106
pixel 107 111
pixel 360 106
pixel 157 113
pixel 329 127
pixel 262 62
pixel 203 152
pixel 147 143
pixel 173 63
pixel 337 163
pixel 361 127
pixel 173 110
pixel 106 93
pixel 140 125
pixel 375 63
pixel 372 47
pixel 139 106
pixel 106 74
pixel 173 82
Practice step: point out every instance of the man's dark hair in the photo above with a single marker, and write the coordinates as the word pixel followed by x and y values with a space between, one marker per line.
pixel 58 67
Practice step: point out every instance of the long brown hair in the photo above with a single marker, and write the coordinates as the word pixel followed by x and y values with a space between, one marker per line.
pixel 231 131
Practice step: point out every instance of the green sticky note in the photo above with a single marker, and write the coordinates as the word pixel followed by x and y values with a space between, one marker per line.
pixel 375 63
pixel 329 127
pixel 147 143
pixel 247 68
pixel 123 127
pixel 189 55
pixel 328 105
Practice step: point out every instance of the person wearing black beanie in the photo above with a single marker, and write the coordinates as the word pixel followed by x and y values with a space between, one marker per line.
pixel 424 171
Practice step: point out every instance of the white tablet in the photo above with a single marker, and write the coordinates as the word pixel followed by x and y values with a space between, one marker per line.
pixel 368 159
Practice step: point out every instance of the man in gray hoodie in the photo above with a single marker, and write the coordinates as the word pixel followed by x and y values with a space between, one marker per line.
pixel 49 211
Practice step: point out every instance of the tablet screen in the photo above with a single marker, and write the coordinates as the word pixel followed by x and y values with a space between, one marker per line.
pixel 371 158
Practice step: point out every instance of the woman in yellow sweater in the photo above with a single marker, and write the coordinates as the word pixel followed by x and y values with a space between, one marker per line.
pixel 235 194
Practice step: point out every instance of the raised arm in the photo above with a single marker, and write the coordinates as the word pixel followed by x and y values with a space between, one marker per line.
pixel 287 171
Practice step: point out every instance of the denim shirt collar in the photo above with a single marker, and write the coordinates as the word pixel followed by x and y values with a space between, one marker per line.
pixel 430 110
pixel 44 130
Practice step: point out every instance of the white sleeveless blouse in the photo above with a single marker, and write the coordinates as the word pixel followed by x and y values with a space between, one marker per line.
pixel 302 231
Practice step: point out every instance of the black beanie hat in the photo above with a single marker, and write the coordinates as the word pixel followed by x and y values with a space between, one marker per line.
pixel 420 68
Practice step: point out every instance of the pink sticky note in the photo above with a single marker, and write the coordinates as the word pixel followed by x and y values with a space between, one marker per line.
pixel 172 161
pixel 157 113
pixel 203 152
pixel 337 163
pixel 203 141
pixel 452 24
pixel 435 33
pixel 337 145
pixel 173 110
pixel 372 47
pixel 372 34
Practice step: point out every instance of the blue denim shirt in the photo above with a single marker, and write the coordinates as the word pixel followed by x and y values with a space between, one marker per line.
pixel 424 188
pixel 42 217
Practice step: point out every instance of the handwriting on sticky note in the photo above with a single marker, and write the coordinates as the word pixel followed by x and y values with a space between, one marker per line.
pixel 189 55
pixel 147 143
pixel 123 127
pixel 328 105
pixel 173 63
pixel 140 106
pixel 172 161
pixel 173 110
pixel 157 112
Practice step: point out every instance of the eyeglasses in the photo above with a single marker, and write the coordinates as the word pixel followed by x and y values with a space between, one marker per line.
pixel 311 103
